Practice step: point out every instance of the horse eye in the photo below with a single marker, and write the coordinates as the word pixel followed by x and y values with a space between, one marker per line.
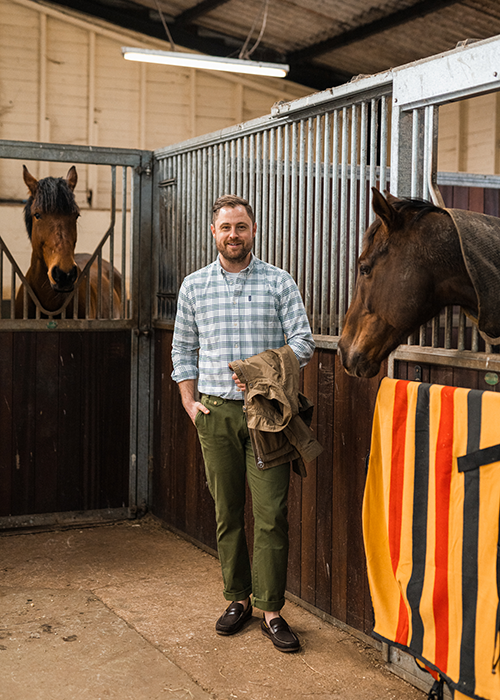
pixel 365 269
pixel 37 215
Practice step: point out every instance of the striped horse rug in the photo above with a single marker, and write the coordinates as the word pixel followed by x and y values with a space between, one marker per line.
pixel 431 515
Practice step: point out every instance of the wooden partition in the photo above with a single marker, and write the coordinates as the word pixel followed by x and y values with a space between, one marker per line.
pixel 64 417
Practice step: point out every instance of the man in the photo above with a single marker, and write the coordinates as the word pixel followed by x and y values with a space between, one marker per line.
pixel 234 308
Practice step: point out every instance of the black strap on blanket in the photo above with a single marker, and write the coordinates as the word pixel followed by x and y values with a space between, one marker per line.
pixel 496 650
pixel 437 690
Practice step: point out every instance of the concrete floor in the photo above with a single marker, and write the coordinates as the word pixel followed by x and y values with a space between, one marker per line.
pixel 127 611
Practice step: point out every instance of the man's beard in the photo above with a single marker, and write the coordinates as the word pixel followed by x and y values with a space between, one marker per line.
pixel 237 255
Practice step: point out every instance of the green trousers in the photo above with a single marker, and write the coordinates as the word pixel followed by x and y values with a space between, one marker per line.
pixel 229 462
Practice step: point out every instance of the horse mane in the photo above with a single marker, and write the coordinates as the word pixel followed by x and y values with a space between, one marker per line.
pixel 53 195
pixel 422 206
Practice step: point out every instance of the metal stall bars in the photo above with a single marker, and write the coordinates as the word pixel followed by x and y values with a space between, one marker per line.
pixel 125 177
pixel 114 245
pixel 418 91
pixel 307 169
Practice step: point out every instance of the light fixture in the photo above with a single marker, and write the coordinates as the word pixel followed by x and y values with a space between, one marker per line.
pixel 194 60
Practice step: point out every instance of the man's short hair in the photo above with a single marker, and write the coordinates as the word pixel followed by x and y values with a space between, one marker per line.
pixel 232 201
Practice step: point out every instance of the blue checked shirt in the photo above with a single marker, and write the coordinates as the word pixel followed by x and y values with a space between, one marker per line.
pixel 220 319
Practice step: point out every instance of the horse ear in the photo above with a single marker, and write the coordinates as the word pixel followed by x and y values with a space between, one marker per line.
pixel 382 207
pixel 72 178
pixel 390 197
pixel 31 182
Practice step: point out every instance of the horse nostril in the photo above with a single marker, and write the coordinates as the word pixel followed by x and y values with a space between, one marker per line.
pixel 64 281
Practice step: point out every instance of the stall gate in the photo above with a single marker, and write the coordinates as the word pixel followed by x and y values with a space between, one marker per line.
pixel 74 392
pixel 308 169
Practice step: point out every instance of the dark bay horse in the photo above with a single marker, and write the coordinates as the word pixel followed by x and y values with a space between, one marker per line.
pixel 51 215
pixel 411 266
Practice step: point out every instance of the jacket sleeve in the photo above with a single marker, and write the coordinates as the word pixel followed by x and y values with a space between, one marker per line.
pixel 185 342
pixel 294 321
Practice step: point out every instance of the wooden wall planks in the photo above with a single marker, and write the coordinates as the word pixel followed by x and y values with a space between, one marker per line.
pixel 64 417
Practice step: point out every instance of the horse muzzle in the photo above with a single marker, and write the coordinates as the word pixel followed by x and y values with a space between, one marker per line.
pixel 356 363
pixel 62 281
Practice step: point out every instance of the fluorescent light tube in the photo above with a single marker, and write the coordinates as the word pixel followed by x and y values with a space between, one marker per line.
pixel 194 60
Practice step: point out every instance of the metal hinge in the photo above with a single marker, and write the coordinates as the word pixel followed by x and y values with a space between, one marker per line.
pixel 144 169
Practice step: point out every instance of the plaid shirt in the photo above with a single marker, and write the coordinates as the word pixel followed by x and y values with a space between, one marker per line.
pixel 220 319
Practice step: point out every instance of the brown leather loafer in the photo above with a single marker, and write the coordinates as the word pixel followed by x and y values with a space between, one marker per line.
pixel 280 634
pixel 233 619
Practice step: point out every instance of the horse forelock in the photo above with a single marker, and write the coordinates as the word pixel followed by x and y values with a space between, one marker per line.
pixel 420 207
pixel 53 196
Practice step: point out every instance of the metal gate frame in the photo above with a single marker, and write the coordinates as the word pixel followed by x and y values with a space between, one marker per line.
pixel 385 124
pixel 137 321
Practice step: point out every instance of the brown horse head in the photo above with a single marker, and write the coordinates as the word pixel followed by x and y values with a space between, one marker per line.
pixel 410 267
pixel 50 216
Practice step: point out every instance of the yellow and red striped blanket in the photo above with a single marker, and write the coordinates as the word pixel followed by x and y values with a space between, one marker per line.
pixel 431 515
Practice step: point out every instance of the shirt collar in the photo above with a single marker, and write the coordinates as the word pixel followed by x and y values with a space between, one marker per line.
pixel 247 269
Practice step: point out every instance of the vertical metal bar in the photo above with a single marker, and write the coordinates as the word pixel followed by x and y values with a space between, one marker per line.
pixel 435 331
pixel 258 194
pixel 227 169
pixel 285 260
pixel 293 265
pixel 317 231
pixel 427 150
pixel 325 228
pixel 265 197
pixel 183 233
pixel 112 254
pixel 343 264
pixel 271 227
pixel 302 206
pixel 204 194
pixel 209 199
pixel 461 329
pixel 239 169
pixel 448 326
pixel 200 196
pixel 373 152
pixel 475 339
pixel 13 296
pixel 334 248
pixel 123 300
pixel 245 167
pixel 384 130
pixel 363 161
pixel 353 204
pixel 193 264
pixel 251 171
pixel 278 235
pixel 99 284
pixel 415 142
pixel 232 168
pixel 309 213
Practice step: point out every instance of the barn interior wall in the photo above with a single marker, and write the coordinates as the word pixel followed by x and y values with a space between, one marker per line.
pixel 469 135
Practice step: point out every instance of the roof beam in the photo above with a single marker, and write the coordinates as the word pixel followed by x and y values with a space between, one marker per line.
pixel 420 9
pixel 202 8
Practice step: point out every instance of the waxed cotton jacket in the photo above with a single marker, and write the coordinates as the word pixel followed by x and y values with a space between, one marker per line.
pixel 278 414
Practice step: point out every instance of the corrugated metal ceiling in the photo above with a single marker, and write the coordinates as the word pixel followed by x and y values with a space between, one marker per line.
pixel 326 42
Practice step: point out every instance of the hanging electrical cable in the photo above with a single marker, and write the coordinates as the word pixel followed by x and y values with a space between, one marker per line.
pixel 244 54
